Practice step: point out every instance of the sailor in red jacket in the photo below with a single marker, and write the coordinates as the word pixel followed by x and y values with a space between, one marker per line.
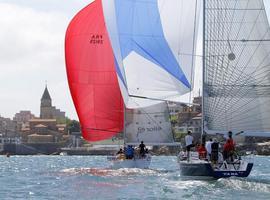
pixel 228 148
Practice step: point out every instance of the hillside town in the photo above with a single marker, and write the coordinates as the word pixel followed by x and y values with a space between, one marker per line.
pixel 29 134
pixel 52 132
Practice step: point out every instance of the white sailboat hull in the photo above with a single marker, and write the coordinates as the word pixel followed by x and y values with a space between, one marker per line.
pixel 141 163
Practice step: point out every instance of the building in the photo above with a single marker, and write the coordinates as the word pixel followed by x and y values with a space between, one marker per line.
pixel 7 125
pixel 49 128
pixel 189 118
pixel 43 131
pixel 47 111
pixel 194 124
pixel 23 116
pixel 189 112
pixel 175 108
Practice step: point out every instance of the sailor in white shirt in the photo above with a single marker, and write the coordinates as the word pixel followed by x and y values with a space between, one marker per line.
pixel 208 147
pixel 189 142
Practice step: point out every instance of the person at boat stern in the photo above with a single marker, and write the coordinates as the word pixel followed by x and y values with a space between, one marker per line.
pixel 202 151
pixel 208 148
pixel 142 149
pixel 120 151
pixel 228 148
pixel 129 152
pixel 189 143
pixel 214 152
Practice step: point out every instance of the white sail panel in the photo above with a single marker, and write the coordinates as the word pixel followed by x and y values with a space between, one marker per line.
pixel 149 124
pixel 181 30
pixel 142 81
pixel 237 66
pixel 143 32
pixel 111 24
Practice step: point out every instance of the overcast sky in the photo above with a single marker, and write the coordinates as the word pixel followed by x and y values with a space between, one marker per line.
pixel 32 51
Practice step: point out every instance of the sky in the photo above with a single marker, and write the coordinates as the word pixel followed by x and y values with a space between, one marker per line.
pixel 32 53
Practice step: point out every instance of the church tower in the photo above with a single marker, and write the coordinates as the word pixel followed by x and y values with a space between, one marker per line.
pixel 46 105
pixel 47 110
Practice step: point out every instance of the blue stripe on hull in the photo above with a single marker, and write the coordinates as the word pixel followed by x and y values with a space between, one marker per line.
pixel 205 169
pixel 226 174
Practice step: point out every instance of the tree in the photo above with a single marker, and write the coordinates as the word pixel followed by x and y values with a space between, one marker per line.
pixel 73 126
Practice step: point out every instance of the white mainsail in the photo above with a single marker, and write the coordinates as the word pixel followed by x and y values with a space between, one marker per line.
pixel 150 124
pixel 236 67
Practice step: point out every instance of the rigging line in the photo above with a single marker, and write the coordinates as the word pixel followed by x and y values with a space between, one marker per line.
pixel 144 97
pixel 96 129
pixel 240 111
pixel 213 28
pixel 179 33
pixel 220 32
pixel 189 54
pixel 247 101
pixel 229 105
pixel 217 33
pixel 243 111
pixel 234 9
pixel 203 69
pixel 250 77
pixel 254 25
pixel 247 65
pixel 261 81
pixel 224 49
pixel 211 34
pixel 244 124
pixel 218 73
pixel 240 27
pixel 131 112
pixel 242 40
pixel 243 105
pixel 251 121
pixel 259 67
pixel 156 99
pixel 193 51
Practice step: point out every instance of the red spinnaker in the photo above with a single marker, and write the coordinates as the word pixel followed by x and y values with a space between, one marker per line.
pixel 91 75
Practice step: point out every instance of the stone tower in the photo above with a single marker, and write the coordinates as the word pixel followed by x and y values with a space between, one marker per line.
pixel 46 105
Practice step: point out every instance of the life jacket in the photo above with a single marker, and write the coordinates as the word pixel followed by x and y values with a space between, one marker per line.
pixel 202 151
pixel 229 145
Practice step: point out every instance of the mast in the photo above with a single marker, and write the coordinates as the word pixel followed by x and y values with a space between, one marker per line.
pixel 124 128
pixel 203 68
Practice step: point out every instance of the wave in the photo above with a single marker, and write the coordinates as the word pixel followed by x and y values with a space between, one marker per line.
pixel 114 172
pixel 249 184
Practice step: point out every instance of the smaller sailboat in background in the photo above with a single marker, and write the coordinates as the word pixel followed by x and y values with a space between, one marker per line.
pixel 150 125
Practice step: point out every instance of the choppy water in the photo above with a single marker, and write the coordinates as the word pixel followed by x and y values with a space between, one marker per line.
pixel 88 177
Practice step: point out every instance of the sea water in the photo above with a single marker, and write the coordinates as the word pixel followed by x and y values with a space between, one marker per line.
pixel 89 177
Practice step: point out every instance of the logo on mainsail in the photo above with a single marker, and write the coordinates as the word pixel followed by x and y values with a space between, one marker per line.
pixel 149 129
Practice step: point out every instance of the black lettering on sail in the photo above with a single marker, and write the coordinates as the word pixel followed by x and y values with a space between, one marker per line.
pixel 96 39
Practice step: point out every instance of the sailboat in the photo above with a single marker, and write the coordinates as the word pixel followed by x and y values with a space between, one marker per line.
pixel 149 124
pixel 236 68
pixel 125 59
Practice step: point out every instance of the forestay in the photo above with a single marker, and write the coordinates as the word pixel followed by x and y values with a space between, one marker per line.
pixel 237 67
pixel 153 43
